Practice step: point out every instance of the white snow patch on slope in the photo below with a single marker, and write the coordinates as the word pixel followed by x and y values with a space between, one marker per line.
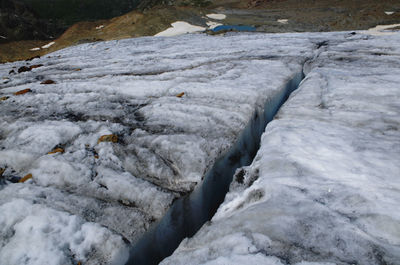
pixel 283 21
pixel 216 16
pixel 48 45
pixel 381 30
pixel 179 28
pixel 389 13
pixel 212 24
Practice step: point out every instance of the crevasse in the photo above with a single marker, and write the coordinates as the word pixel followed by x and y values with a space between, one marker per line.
pixel 187 214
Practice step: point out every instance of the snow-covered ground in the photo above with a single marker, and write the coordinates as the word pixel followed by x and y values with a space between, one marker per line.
pixel 324 187
pixel 128 126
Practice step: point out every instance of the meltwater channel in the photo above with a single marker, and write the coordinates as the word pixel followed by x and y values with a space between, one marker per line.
pixel 187 214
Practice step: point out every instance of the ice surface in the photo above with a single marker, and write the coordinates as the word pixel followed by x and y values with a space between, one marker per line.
pixel 324 186
pixel 165 144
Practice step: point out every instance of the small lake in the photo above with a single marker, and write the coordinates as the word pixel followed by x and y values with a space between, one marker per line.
pixel 234 27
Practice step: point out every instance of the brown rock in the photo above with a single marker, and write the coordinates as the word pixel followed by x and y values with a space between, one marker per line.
pixel 108 138
pixel 77 69
pixel 36 66
pixel 21 92
pixel 48 82
pixel 55 151
pixel 4 98
pixel 2 171
pixel 180 95
pixel 24 69
pixel 29 176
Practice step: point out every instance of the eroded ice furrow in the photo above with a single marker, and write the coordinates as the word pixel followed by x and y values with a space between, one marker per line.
pixel 186 215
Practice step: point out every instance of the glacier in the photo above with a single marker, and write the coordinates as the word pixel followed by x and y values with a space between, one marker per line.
pixel 323 187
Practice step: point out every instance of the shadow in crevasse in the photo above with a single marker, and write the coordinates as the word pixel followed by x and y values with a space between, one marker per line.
pixel 187 214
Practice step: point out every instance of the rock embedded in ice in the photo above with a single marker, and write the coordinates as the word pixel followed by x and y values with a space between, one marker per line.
pixel 324 186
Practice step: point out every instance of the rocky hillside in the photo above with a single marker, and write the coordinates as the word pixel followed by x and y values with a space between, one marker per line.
pixel 19 22
pixel 154 16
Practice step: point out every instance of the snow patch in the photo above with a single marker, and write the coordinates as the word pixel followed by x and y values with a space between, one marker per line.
pixel 35 49
pixel 212 24
pixel 179 28
pixel 48 45
pixel 381 30
pixel 100 27
pixel 216 16
pixel 283 21
pixel 389 13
